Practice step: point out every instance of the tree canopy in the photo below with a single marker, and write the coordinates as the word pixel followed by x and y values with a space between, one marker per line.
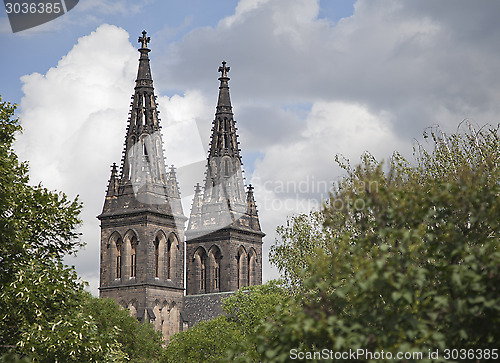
pixel 228 338
pixel 410 259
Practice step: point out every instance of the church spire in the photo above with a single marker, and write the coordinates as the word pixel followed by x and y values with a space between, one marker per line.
pixel 223 201
pixel 142 159
pixel 143 182
pixel 224 140
pixel 174 195
pixel 223 237
pixel 224 179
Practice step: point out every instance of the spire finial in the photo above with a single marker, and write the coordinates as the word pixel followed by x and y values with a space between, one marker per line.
pixel 223 69
pixel 144 40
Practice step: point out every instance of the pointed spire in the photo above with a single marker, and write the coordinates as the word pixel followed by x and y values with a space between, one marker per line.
pixel 174 195
pixel 224 179
pixel 143 183
pixel 113 182
pixel 173 186
pixel 252 210
pixel 222 202
pixel 142 158
pixel 224 140
pixel 197 199
pixel 251 207
pixel 195 217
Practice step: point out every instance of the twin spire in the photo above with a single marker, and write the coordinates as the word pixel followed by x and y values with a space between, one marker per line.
pixel 143 181
pixel 223 202
pixel 223 198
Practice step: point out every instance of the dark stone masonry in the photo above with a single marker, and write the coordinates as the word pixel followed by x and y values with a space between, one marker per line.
pixel 144 242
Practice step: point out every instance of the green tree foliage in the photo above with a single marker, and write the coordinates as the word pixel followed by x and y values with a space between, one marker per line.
pixel 248 308
pixel 207 341
pixel 57 321
pixel 230 337
pixel 45 314
pixel 116 328
pixel 296 247
pixel 44 308
pixel 414 261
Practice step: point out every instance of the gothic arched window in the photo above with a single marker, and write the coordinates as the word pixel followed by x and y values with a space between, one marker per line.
pixel 169 258
pixel 157 257
pixel 213 265
pixel 114 257
pixel 203 276
pixel 118 261
pixel 242 267
pixel 217 258
pixel 133 258
pixel 200 260
pixel 252 268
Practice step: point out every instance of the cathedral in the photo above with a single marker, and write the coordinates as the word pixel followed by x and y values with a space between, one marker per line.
pixel 165 268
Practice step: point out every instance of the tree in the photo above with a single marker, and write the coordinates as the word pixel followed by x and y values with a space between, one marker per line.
pixel 115 326
pixel 207 341
pixel 413 264
pixel 247 309
pixel 37 227
pixel 298 242
pixel 35 222
pixel 231 337
pixel 44 308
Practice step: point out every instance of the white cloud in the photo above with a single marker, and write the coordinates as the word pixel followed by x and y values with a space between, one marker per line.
pixel 243 7
pixel 295 177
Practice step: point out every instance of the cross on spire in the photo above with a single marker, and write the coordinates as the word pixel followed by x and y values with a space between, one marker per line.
pixel 223 69
pixel 144 40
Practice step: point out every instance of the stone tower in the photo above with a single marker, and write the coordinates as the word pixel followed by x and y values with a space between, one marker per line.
pixel 223 237
pixel 142 222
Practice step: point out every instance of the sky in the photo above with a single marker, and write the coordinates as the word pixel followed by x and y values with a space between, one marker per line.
pixel 309 80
